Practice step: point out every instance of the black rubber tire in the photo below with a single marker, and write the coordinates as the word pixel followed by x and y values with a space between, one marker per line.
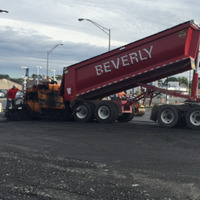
pixel 83 112
pixel 192 118
pixel 168 116
pixel 106 112
pixel 126 117
pixel 154 113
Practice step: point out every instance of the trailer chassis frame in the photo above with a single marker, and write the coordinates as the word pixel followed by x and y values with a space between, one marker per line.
pixel 153 91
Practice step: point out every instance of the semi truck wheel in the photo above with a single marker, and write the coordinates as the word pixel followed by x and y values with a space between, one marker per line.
pixel 106 112
pixel 193 118
pixel 168 116
pixel 126 117
pixel 154 113
pixel 83 112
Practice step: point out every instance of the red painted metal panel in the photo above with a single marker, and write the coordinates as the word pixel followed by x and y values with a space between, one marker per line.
pixel 149 58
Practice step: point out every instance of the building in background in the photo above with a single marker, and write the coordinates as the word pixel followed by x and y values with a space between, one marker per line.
pixel 7 84
pixel 176 86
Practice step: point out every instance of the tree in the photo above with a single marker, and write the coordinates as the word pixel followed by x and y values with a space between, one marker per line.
pixel 170 79
pixel 183 80
pixel 17 80
pixel 34 76
pixel 59 77
pixel 179 79
pixel 4 76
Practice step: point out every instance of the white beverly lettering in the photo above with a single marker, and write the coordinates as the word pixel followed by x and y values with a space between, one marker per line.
pixel 116 65
pixel 140 56
pixel 99 70
pixel 149 52
pixel 107 67
pixel 133 56
pixel 125 60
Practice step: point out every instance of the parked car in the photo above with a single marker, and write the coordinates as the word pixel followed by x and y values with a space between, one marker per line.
pixel 3 93
pixel 19 95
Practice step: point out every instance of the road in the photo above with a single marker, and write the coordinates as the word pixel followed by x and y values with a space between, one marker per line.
pixel 139 160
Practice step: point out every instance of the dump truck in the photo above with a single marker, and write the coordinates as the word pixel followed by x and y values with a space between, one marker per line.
pixel 172 51
pixel 158 56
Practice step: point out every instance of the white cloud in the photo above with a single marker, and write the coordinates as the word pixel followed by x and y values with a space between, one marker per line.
pixel 31 28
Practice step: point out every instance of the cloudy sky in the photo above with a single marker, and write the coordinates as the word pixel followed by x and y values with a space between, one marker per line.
pixel 32 28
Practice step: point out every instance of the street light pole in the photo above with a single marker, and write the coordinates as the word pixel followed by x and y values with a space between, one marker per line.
pixel 38 73
pixel 25 77
pixel 3 11
pixel 54 74
pixel 105 30
pixel 49 52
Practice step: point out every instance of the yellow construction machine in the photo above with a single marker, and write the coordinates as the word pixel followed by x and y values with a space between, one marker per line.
pixel 41 101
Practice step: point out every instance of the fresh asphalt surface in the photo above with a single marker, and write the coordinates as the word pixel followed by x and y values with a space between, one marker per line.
pixel 139 160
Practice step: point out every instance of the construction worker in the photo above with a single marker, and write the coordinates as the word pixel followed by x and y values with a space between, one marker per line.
pixel 120 94
pixel 11 94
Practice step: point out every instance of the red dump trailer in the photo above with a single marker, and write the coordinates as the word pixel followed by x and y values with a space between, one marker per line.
pixel 164 54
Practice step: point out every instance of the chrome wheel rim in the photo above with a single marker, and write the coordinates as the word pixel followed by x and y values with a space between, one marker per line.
pixel 167 116
pixel 195 118
pixel 81 112
pixel 103 112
